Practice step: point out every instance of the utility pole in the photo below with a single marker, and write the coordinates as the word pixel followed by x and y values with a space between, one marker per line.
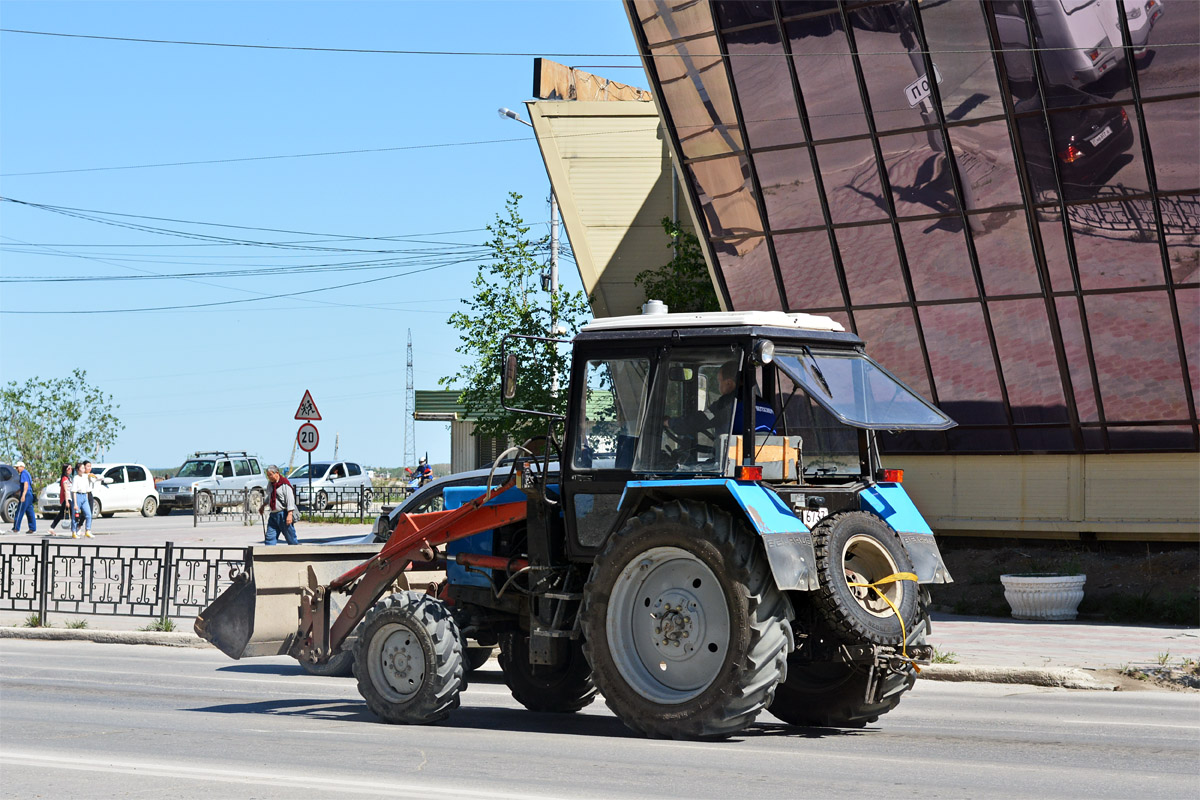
pixel 553 282
pixel 336 438
pixel 410 397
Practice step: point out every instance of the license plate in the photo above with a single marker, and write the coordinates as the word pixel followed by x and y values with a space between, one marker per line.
pixel 1101 136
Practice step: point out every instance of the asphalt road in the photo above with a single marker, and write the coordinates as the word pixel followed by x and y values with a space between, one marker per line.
pixel 90 720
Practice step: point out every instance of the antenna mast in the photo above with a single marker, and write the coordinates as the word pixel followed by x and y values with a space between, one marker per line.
pixel 410 428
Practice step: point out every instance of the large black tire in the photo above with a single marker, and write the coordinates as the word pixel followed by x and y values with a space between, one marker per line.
pixel 689 573
pixel 203 505
pixel 162 511
pixel 8 510
pixel 408 659
pixel 340 666
pixel 832 694
pixel 561 690
pixel 858 547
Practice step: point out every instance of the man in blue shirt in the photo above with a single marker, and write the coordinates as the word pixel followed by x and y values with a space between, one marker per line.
pixel 25 496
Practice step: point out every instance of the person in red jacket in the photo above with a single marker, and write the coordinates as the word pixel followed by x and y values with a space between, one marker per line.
pixel 66 502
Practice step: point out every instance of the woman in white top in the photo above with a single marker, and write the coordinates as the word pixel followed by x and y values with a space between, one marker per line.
pixel 81 485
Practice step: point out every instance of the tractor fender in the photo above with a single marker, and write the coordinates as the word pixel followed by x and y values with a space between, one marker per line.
pixel 891 503
pixel 786 541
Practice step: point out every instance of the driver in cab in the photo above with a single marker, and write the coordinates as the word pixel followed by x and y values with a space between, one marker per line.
pixel 716 418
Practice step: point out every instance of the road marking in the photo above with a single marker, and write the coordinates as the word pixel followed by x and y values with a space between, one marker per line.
pixel 393 787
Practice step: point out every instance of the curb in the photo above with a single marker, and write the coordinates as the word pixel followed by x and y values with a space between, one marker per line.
pixel 162 638
pixel 1063 677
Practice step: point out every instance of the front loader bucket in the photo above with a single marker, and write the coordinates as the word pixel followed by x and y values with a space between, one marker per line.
pixel 259 614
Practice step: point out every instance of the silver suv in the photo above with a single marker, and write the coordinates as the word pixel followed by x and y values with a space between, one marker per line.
pixel 212 479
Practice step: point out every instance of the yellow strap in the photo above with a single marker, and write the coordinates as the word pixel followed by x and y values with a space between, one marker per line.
pixel 895 577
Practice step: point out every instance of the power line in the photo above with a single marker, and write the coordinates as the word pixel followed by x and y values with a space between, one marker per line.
pixel 510 54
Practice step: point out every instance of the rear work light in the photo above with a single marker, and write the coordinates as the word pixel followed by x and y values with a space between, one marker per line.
pixel 1071 154
pixel 749 473
pixel 891 476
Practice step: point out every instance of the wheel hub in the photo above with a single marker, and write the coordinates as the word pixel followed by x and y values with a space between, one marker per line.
pixel 678 623
pixel 401 661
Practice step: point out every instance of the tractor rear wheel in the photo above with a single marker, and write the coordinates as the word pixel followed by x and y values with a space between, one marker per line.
pixel 408 659
pixel 561 690
pixel 684 627
pixel 854 549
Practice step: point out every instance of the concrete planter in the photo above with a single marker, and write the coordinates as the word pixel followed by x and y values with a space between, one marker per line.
pixel 1043 596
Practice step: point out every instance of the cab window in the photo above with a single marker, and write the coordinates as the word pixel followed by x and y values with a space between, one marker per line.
pixel 243 467
pixel 613 405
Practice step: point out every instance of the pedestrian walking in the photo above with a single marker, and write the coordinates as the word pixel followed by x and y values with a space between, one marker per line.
pixel 282 500
pixel 25 506
pixel 81 485
pixel 66 500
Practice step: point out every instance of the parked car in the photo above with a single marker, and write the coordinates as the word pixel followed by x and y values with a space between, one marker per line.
pixel 123 487
pixel 333 483
pixel 209 480
pixel 10 493
pixel 1084 141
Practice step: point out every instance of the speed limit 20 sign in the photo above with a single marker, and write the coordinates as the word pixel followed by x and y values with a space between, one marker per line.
pixel 307 437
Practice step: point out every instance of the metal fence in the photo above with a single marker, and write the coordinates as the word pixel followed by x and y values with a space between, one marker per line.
pixel 114 580
pixel 360 504
pixel 227 505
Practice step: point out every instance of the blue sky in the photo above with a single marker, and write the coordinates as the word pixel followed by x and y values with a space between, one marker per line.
pixel 232 376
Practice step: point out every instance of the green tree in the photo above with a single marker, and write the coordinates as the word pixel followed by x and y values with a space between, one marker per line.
pixel 509 298
pixel 683 283
pixel 47 423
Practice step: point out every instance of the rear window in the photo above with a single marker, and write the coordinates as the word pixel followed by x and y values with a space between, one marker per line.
pixel 242 466
pixel 354 469
pixel 136 473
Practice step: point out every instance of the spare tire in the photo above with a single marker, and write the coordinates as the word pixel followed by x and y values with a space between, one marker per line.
pixel 857 548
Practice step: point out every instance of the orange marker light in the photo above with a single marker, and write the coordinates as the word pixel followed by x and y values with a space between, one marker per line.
pixel 892 476
pixel 749 473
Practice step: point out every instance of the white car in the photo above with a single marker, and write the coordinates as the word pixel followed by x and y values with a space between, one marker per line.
pixel 333 483
pixel 125 487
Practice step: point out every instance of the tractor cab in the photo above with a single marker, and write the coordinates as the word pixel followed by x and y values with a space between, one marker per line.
pixel 788 400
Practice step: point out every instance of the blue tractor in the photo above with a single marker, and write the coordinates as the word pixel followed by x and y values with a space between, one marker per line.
pixel 719 538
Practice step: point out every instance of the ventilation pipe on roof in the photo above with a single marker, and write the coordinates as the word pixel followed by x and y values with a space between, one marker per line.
pixel 654 307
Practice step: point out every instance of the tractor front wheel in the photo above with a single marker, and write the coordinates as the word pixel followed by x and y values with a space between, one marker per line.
pixel 408 659
pixel 684 627
pixel 563 689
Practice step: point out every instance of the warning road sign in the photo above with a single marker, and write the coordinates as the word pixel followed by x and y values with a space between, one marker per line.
pixel 307 437
pixel 307 409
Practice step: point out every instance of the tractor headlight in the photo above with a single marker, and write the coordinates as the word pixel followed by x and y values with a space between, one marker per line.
pixel 764 352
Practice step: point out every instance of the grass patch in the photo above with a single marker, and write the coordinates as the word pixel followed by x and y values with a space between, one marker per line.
pixel 34 621
pixel 165 625
pixel 944 657
pixel 77 624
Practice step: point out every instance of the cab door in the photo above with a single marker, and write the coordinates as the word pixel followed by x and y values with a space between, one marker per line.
pixel 609 407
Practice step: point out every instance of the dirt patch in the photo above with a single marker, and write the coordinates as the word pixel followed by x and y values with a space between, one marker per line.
pixel 1147 586
pixel 1133 679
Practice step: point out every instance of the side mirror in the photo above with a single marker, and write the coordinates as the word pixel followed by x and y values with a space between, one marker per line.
pixel 510 377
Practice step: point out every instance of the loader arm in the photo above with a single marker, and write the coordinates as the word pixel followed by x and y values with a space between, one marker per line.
pixel 415 538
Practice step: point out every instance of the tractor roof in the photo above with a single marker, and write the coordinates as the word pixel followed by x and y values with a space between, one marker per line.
pixel 717 319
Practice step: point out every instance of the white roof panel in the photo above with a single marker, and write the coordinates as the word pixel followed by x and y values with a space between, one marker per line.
pixel 771 319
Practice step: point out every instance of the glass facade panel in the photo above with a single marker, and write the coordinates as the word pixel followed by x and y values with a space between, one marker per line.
pixel 821 56
pixel 746 265
pixel 959 46
pixel 1070 326
pixel 938 259
pixel 1005 254
pixel 1189 323
pixel 763 81
pixel 1054 245
pixel 985 161
pixel 788 188
pixel 891 60
pixel 809 276
pixel 963 371
pixel 696 90
pixel 891 338
pixel 872 265
pixel 852 186
pixel 1137 360
pixel 672 19
pixel 1115 245
pixel 1028 361
pixel 726 196
pixel 1080 148
pixel 917 171
pixel 1170 63
pixel 1171 127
